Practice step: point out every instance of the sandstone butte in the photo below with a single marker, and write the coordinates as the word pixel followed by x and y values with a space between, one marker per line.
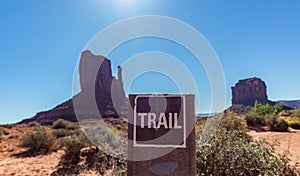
pixel 103 87
pixel 246 92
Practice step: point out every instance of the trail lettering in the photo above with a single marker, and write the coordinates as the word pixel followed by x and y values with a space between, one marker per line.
pixel 172 121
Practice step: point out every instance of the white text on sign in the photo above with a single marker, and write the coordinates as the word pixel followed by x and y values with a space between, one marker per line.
pixel 162 120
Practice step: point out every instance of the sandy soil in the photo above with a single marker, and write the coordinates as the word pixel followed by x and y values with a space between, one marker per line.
pixel 14 162
pixel 289 141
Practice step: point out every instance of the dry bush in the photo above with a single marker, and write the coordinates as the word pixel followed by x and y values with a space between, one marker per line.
pixel 254 119
pixel 295 124
pixel 33 124
pixel 72 146
pixel 230 152
pixel 38 141
pixel 63 124
pixel 295 113
pixel 60 133
pixel 232 121
pixel 3 131
pixel 278 124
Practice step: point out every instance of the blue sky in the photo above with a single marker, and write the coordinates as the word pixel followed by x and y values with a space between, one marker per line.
pixel 42 40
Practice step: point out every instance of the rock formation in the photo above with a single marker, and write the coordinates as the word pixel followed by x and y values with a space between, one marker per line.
pixel 109 91
pixel 95 83
pixel 248 91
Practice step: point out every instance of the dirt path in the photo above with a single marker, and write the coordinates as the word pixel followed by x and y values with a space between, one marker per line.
pixel 289 141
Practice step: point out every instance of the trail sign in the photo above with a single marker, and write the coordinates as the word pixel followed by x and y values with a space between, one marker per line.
pixel 155 116
pixel 161 135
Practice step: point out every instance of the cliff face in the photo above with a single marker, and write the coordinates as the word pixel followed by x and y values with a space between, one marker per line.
pixel 248 91
pixel 89 64
pixel 107 89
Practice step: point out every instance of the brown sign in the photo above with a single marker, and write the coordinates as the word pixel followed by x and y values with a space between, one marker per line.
pixel 161 135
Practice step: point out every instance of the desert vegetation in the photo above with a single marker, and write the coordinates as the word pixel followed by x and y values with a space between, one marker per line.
pixel 295 119
pixel 3 131
pixel 38 141
pixel 265 115
pixel 231 150
pixel 79 153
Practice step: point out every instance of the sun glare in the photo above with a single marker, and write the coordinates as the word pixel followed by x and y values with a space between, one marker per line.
pixel 126 2
pixel 125 7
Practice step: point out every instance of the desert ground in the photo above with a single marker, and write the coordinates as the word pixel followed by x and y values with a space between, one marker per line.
pixel 289 141
pixel 15 161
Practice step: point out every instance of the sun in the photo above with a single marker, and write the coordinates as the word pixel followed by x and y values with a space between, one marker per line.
pixel 126 2
pixel 122 8
pixel 126 7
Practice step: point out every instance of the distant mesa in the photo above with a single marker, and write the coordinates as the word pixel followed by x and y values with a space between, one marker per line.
pixel 99 84
pixel 246 92
pixel 290 103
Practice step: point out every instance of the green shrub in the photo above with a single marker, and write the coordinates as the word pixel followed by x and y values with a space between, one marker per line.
pixel 264 109
pixel 3 131
pixel 277 108
pixel 271 120
pixel 105 139
pixel 63 128
pixel 232 121
pixel 59 133
pixel 72 146
pixel 278 124
pixel 295 113
pixel 254 119
pixel 33 124
pixel 63 124
pixel 295 124
pixel 230 152
pixel 38 141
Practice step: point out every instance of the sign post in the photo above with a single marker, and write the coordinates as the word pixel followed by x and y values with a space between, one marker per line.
pixel 161 135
